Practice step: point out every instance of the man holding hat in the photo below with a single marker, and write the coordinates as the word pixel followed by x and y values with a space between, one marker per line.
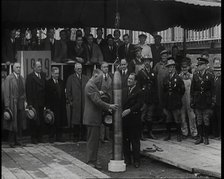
pixel 146 49
pixel 14 101
pixel 56 102
pixel 36 93
pixel 173 88
pixel 203 98
pixel 156 48
pixel 186 110
pixel 136 64
pixel 147 82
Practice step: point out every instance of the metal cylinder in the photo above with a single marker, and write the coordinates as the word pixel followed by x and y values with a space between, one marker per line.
pixel 117 91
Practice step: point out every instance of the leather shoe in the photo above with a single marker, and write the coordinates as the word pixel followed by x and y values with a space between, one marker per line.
pixel 137 164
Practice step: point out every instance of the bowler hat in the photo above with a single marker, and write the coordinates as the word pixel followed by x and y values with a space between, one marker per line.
pixel 31 113
pixel 7 114
pixel 163 52
pixel 202 60
pixel 142 35
pixel 170 62
pixel 48 116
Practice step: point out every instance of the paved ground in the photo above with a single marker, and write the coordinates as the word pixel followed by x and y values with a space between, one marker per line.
pixel 149 168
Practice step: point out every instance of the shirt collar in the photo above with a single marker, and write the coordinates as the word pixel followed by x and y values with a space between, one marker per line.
pixel 17 76
pixel 37 74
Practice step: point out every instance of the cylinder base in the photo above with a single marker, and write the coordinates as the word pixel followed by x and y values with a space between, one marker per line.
pixel 116 166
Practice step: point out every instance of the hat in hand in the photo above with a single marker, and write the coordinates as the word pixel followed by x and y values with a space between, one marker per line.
pixel 48 116
pixel 7 114
pixel 31 113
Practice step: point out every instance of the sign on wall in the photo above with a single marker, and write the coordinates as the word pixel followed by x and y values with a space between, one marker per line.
pixel 28 58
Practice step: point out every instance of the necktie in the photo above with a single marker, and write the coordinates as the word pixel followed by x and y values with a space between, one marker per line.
pixel 39 76
pixel 105 78
pixel 56 81
pixel 123 73
pixel 126 49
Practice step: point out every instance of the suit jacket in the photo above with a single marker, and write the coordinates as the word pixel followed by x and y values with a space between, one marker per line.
pixel 94 54
pixel 102 43
pixel 36 89
pixel 47 45
pixel 156 53
pixel 75 94
pixel 93 105
pixel 56 101
pixel 109 55
pixel 218 90
pixel 124 79
pixel 14 100
pixel 9 50
pixel 61 51
pixel 174 90
pixel 130 53
pixel 74 52
pixel 134 102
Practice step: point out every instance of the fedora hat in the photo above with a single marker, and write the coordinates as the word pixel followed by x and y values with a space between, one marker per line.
pixel 31 113
pixel 157 36
pixel 7 114
pixel 170 62
pixel 48 116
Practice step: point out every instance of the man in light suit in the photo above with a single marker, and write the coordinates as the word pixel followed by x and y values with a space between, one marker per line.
pixel 93 116
pixel 14 98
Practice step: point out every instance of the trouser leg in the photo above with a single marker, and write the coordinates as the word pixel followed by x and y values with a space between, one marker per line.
pixel 192 122
pixel 184 126
pixel 93 136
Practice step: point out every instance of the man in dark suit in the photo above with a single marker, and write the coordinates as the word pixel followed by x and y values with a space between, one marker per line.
pixel 9 48
pixel 131 122
pixel 49 42
pixel 126 50
pixel 75 86
pixel 55 101
pixel 109 50
pixel 99 39
pixel 156 48
pixel 36 93
pixel 93 116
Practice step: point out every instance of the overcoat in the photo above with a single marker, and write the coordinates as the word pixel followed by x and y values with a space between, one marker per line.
pixel 35 89
pixel 74 51
pixel 75 94
pixel 93 105
pixel 129 55
pixel 56 101
pixel 14 101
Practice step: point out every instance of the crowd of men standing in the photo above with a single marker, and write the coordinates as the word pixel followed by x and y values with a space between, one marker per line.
pixel 155 86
